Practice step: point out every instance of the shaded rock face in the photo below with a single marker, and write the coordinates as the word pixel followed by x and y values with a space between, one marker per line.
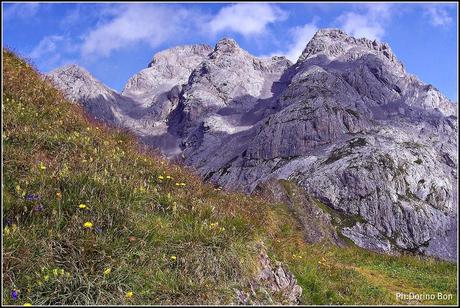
pixel 317 224
pixel 346 123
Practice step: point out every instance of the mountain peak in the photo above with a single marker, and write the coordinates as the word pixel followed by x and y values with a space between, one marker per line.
pixel 226 45
pixel 331 32
pixel 76 82
pixel 172 55
pixel 334 43
pixel 73 70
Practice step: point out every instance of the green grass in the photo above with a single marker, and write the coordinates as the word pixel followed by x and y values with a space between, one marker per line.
pixel 166 243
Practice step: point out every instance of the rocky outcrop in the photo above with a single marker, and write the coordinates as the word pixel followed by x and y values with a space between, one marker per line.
pixel 346 122
pixel 399 187
pixel 273 285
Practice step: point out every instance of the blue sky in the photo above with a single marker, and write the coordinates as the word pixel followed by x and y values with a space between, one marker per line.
pixel 115 40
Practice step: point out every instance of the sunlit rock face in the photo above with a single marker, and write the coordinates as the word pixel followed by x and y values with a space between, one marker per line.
pixel 346 122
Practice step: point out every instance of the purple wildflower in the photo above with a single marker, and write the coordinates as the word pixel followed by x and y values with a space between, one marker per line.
pixel 38 208
pixel 14 294
pixel 98 230
pixel 32 197
pixel 9 221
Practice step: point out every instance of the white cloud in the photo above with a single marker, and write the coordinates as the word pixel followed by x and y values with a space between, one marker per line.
pixel 438 15
pixel 368 21
pixel 246 18
pixel 50 50
pixel 131 25
pixel 359 25
pixel 20 10
pixel 300 36
pixel 137 23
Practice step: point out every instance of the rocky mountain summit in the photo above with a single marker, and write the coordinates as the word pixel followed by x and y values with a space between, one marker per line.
pixel 346 122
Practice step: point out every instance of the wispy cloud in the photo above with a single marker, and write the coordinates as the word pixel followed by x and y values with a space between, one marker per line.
pixel 47 45
pixel 438 15
pixel 20 10
pixel 300 36
pixel 72 17
pixel 367 21
pixel 50 50
pixel 137 23
pixel 246 18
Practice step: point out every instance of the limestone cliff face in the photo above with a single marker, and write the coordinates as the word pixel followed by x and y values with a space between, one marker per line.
pixel 168 69
pixel 227 84
pixel 346 122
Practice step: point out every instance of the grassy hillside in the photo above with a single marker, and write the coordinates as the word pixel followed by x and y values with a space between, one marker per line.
pixel 90 218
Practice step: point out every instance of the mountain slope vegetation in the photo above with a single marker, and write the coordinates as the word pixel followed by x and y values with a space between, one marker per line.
pixel 91 217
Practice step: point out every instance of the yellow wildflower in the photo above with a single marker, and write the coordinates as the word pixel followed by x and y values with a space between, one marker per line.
pixel 169 177
pixel 177 184
pixel 27 304
pixel 214 224
pixel 88 224
pixel 82 206
pixel 160 177
pixel 107 271
pixel 41 166
pixel 58 271
pixel 129 294
pixel 173 258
